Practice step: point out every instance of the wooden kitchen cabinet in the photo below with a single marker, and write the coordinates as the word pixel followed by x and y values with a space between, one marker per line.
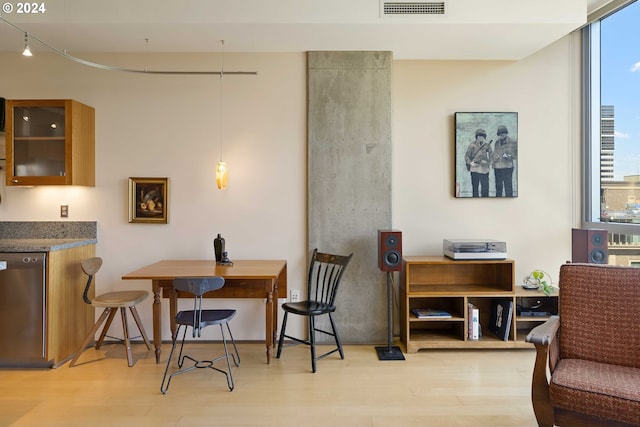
pixel 68 318
pixel 50 142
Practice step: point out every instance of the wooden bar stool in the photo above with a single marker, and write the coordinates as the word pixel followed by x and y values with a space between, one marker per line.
pixel 111 301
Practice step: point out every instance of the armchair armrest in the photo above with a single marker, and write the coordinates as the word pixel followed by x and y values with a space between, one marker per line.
pixel 545 333
pixel 544 338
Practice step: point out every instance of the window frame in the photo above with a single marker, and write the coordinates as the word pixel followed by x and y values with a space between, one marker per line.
pixel 591 125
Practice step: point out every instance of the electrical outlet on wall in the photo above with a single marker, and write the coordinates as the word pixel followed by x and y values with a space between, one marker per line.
pixel 294 295
pixel 64 211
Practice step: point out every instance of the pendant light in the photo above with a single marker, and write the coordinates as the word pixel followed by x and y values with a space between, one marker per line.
pixel 222 171
pixel 26 51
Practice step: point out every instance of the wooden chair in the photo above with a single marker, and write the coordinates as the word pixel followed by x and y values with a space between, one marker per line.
pixel 111 301
pixel 325 275
pixel 198 319
pixel 591 350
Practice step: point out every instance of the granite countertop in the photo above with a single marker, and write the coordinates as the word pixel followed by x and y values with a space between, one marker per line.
pixel 46 236
pixel 42 245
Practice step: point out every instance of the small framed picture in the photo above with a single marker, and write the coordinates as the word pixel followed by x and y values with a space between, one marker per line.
pixel 148 200
pixel 486 162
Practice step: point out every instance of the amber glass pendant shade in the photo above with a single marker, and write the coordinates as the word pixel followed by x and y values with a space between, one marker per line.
pixel 222 175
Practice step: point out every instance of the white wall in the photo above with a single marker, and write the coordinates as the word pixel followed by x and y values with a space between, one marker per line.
pixel 167 126
pixel 537 224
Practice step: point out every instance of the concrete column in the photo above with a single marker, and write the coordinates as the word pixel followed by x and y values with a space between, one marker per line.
pixel 349 179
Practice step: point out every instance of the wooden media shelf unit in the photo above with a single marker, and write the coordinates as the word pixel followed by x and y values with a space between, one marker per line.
pixel 441 283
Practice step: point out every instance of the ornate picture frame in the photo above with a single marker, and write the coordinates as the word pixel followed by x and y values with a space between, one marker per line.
pixel 149 200
pixel 486 154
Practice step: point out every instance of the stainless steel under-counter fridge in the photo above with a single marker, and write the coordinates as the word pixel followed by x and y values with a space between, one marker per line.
pixel 23 310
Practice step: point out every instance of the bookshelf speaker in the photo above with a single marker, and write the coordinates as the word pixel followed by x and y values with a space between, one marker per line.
pixel 390 250
pixel 589 246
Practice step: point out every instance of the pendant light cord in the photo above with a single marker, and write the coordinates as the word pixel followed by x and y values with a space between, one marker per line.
pixel 221 100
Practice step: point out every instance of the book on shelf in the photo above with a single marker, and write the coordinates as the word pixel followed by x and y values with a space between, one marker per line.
pixel 431 313
pixel 501 318
pixel 473 322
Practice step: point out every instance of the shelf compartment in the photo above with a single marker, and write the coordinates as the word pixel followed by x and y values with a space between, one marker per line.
pixel 453 305
pixel 437 331
pixel 485 306
pixel 440 274
pixel 537 302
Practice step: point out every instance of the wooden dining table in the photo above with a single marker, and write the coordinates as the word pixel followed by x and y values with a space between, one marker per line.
pixel 243 279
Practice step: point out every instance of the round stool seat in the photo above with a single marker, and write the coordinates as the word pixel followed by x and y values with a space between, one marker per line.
pixel 110 301
pixel 120 299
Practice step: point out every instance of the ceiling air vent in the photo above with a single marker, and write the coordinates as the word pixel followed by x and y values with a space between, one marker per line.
pixel 413 8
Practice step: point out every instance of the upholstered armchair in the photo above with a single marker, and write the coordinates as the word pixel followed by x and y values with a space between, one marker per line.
pixel 587 368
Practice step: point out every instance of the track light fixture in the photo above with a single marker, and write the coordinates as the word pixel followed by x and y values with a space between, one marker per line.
pixel 26 51
pixel 64 54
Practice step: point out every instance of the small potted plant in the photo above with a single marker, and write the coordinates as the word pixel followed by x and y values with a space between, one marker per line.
pixel 539 279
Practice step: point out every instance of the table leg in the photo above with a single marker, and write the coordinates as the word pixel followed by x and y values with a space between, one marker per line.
pixel 157 316
pixel 274 320
pixel 268 336
pixel 173 311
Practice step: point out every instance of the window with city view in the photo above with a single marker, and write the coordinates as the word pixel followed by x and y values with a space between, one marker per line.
pixel 612 190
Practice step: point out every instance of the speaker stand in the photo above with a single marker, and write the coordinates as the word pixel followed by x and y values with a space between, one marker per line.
pixel 389 352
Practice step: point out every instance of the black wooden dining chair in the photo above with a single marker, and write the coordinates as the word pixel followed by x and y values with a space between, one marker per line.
pixel 198 319
pixel 325 275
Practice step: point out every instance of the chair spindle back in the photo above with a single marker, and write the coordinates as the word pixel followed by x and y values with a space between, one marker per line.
pixel 325 276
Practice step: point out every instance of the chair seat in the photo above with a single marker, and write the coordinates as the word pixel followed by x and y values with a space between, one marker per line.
pixel 598 389
pixel 209 317
pixel 308 308
pixel 120 299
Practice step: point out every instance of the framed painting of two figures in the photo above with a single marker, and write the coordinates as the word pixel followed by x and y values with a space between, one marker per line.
pixel 486 163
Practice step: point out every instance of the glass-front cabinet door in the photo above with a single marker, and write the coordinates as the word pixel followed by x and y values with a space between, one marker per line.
pixel 39 141
pixel 50 142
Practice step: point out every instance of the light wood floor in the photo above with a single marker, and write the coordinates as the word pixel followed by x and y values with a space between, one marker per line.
pixel 432 388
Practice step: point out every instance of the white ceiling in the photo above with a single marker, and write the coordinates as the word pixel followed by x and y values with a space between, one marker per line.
pixel 468 29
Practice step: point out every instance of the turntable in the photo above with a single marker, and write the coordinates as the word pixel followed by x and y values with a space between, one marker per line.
pixel 474 249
